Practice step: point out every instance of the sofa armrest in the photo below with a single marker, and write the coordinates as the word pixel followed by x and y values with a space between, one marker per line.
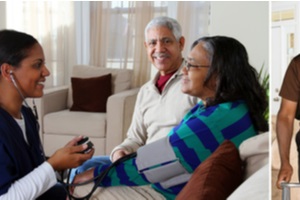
pixel 255 187
pixel 255 153
pixel 54 99
pixel 120 107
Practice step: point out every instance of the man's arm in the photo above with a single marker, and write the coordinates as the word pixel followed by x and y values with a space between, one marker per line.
pixel 284 130
pixel 136 135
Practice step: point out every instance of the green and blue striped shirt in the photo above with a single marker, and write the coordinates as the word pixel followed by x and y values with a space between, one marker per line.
pixel 199 134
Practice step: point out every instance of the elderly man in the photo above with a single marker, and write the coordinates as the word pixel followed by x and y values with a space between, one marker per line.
pixel 160 103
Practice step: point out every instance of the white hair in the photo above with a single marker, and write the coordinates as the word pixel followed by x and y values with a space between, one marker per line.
pixel 168 22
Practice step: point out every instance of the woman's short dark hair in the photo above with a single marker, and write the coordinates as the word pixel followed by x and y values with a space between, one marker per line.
pixel 14 46
pixel 236 79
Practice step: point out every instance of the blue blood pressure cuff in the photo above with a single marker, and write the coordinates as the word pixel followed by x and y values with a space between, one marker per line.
pixel 159 164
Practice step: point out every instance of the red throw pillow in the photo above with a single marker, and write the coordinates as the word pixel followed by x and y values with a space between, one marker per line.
pixel 91 94
pixel 217 177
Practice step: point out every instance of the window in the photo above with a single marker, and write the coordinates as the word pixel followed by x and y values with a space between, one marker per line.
pixel 101 33
pixel 122 30
pixel 51 24
pixel 117 31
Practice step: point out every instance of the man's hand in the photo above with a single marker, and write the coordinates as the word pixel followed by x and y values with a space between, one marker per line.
pixel 284 175
pixel 119 154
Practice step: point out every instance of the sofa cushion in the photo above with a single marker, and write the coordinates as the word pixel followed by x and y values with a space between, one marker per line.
pixel 145 192
pixel 255 153
pixel 121 78
pixel 91 94
pixel 76 123
pixel 217 177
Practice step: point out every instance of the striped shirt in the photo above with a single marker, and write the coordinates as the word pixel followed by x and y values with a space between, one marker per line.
pixel 199 134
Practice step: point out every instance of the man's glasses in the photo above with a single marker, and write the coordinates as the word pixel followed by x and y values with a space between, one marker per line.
pixel 189 66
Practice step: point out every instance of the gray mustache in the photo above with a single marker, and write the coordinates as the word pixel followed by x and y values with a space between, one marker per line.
pixel 161 55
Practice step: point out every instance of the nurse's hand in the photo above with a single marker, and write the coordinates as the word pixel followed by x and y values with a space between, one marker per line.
pixel 70 156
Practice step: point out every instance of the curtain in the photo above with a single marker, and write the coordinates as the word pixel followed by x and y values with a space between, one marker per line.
pixel 52 24
pixel 194 20
pixel 101 33
pixel 118 39
pixel 117 32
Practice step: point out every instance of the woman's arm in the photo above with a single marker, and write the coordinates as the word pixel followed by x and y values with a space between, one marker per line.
pixel 43 177
pixel 33 184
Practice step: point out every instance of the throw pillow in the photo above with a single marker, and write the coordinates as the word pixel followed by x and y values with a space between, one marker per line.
pixel 217 177
pixel 91 94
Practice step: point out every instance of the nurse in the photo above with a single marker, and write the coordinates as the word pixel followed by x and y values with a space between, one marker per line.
pixel 24 171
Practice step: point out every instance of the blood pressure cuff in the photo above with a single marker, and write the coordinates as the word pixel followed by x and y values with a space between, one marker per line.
pixel 158 162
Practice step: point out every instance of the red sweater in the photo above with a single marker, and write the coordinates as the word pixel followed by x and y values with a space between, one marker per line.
pixel 162 80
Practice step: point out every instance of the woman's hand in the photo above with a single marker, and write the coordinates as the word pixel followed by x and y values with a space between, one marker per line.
pixel 74 141
pixel 85 176
pixel 70 156
pixel 82 177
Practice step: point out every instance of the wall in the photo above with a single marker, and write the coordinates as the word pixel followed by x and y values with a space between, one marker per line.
pixel 248 22
pixel 3 15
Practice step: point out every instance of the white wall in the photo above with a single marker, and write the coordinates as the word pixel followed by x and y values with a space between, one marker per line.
pixel 247 22
pixel 2 15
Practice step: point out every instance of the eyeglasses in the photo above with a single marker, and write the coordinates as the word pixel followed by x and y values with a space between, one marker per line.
pixel 189 66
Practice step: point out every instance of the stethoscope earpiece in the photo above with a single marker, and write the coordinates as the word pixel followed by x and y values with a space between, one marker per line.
pixel 19 91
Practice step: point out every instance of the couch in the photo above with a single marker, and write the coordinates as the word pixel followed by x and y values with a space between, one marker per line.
pixel 277 193
pixel 254 184
pixel 98 103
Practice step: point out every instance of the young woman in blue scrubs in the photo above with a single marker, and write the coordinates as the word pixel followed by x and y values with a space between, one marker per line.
pixel 24 171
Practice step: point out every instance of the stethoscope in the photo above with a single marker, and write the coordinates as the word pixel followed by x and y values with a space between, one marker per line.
pixel 97 180
pixel 34 110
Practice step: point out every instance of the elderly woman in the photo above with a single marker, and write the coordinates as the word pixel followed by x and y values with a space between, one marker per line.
pixel 233 103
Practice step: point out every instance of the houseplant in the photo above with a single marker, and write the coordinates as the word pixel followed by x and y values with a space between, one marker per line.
pixel 263 76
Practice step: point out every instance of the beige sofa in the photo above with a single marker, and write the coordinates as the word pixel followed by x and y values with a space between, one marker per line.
pixel 105 130
pixel 295 192
pixel 254 152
